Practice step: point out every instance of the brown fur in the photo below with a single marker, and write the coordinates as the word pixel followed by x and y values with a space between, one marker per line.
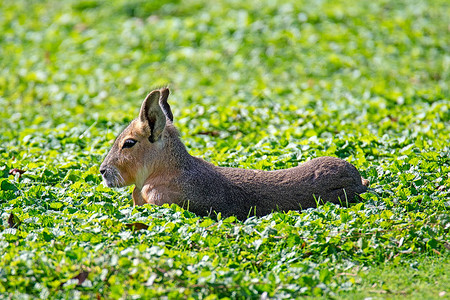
pixel 164 172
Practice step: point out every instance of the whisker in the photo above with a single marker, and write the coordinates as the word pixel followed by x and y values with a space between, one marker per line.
pixel 121 180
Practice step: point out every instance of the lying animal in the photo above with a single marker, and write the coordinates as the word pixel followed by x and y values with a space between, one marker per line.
pixel 150 155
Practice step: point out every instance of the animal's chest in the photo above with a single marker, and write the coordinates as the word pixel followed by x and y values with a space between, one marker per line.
pixel 160 194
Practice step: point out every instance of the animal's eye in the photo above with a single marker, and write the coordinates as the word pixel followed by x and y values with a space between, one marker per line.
pixel 129 143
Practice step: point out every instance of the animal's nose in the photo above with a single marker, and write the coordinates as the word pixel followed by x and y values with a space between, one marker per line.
pixel 103 171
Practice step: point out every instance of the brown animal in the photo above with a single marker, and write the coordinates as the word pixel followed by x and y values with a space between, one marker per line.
pixel 150 155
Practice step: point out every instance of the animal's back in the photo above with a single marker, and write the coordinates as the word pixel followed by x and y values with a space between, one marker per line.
pixel 242 192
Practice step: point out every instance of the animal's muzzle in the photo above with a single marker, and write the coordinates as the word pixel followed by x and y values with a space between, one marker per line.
pixel 111 177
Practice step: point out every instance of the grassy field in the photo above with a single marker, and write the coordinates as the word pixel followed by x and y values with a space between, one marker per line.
pixel 255 84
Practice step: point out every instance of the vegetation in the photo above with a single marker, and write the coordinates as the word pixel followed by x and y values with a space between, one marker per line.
pixel 256 84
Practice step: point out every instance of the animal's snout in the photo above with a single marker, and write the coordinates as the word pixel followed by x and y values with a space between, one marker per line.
pixel 111 176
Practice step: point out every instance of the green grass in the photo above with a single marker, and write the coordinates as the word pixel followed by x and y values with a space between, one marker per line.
pixel 425 278
pixel 255 84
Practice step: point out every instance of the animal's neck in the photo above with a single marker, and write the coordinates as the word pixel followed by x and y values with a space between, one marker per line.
pixel 175 154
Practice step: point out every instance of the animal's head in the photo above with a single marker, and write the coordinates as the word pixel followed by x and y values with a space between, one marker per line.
pixel 135 150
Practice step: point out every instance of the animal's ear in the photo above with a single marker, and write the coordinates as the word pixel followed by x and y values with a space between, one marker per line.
pixel 164 105
pixel 152 114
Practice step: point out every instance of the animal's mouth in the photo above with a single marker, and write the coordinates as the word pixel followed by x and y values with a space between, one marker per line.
pixel 110 183
pixel 112 177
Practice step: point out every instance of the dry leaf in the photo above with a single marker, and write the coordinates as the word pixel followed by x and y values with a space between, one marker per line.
pixel 13 221
pixel 16 171
pixel 210 133
pixel 81 277
pixel 136 226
